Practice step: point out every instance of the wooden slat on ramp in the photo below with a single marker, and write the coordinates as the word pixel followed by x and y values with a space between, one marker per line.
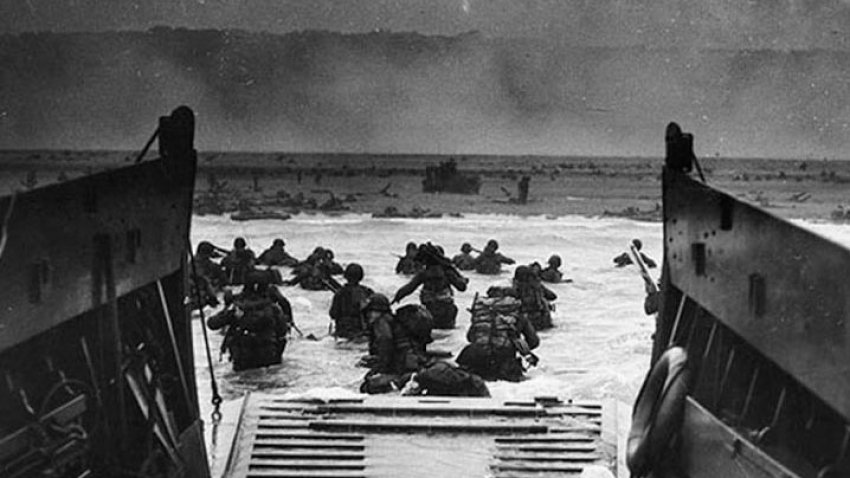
pixel 393 436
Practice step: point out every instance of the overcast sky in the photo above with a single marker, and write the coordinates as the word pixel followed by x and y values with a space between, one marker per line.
pixel 744 23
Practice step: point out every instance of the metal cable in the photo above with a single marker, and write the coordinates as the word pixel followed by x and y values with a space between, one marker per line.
pixel 216 398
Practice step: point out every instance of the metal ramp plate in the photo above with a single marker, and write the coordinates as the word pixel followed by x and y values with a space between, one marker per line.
pixel 393 436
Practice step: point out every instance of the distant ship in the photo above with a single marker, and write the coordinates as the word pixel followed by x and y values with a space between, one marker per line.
pixel 751 364
pixel 95 340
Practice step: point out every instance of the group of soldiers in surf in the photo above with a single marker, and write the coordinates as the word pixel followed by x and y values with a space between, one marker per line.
pixel 502 333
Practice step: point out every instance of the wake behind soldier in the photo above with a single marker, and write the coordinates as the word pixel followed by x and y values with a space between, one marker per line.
pixel 489 261
pixel 464 261
pixel 437 281
pixel 257 325
pixel 239 262
pixel 348 303
pixel 276 255
pixel 499 339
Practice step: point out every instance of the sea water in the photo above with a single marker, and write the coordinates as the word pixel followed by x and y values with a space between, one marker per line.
pixel 599 347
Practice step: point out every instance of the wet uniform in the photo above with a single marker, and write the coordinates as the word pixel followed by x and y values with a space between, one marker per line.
pixel 436 295
pixel 393 348
pixel 490 263
pixel 408 266
pixel 464 261
pixel 551 274
pixel 238 264
pixel 257 331
pixel 277 256
pixel 345 310
pixel 534 298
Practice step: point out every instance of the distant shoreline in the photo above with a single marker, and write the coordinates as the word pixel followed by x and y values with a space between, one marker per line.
pixel 369 184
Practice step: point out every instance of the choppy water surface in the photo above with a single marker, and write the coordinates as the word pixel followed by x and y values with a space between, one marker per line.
pixel 599 348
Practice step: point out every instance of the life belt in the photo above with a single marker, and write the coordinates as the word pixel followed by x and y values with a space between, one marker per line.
pixel 658 410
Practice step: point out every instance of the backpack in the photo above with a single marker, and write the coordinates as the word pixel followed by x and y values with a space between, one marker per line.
pixel 447 380
pixel 494 322
pixel 416 321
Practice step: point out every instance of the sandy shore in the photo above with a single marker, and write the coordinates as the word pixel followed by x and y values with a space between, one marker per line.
pixel 371 183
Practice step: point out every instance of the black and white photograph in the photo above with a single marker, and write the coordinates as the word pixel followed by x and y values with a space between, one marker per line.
pixel 424 238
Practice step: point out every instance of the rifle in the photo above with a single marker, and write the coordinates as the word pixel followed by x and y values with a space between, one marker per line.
pixel 431 251
pixel 332 284
pixel 644 271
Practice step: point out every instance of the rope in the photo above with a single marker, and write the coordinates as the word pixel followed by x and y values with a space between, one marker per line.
pixel 144 150
pixel 216 398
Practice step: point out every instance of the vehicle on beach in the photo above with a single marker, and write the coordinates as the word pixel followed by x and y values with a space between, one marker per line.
pixel 445 178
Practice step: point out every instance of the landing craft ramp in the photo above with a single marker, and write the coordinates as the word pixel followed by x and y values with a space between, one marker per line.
pixel 395 436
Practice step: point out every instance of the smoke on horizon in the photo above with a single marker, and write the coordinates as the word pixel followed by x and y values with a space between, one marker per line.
pixel 410 93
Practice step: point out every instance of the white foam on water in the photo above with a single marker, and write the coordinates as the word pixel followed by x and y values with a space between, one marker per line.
pixel 599 347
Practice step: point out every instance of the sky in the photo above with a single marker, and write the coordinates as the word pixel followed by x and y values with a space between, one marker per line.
pixel 781 24
pixel 748 77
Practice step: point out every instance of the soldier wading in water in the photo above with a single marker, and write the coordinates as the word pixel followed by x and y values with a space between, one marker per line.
pixel 258 322
pixel 437 281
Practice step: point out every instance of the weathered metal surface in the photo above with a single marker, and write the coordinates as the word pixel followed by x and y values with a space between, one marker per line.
pixel 415 436
pixel 142 212
pixel 781 288
pixel 710 449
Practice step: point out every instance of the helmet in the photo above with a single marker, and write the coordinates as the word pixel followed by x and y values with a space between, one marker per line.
pixel 411 247
pixel 205 249
pixel 555 261
pixel 637 243
pixel 239 243
pixel 466 247
pixel 378 302
pixel 522 273
pixel 492 245
pixel 278 243
pixel 353 273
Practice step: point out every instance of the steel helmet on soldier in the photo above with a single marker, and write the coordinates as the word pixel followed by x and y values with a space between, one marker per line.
pixel 555 261
pixel 466 248
pixel 239 243
pixel 353 273
pixel 378 302
pixel 522 273
pixel 278 243
pixel 492 245
pixel 205 249
pixel 637 243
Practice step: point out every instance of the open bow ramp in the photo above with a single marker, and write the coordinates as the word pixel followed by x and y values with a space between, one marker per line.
pixel 394 436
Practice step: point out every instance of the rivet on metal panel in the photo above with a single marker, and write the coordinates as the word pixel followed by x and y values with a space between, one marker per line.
pixel 698 254
pixel 756 296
